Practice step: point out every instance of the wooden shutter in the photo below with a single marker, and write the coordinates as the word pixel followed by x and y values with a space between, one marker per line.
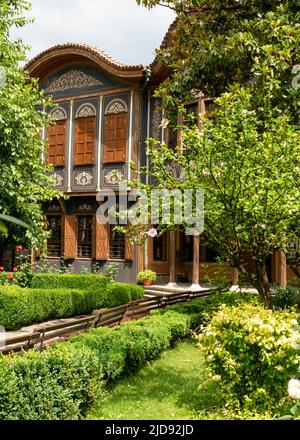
pixel 115 138
pixel 85 140
pixel 102 241
pixel 57 143
pixel 70 237
pixel 129 248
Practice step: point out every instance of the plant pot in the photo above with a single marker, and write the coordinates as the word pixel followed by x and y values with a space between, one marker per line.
pixel 148 283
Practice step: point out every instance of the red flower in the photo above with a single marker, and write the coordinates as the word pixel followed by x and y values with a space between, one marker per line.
pixel 1 269
pixel 15 269
pixel 10 277
pixel 19 248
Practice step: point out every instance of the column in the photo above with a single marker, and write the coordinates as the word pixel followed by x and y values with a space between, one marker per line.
pixel 282 269
pixel 172 248
pixel 196 263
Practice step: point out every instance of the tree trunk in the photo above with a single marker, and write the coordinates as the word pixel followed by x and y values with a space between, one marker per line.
pixel 263 284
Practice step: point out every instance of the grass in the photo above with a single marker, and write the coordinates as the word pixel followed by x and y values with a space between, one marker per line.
pixel 167 389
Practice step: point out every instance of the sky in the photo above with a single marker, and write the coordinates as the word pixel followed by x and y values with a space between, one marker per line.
pixel 126 31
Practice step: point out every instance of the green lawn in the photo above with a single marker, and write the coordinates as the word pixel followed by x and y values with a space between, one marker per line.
pixel 167 389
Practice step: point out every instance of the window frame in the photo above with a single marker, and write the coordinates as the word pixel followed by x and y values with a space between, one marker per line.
pixel 61 235
pixel 110 257
pixel 79 216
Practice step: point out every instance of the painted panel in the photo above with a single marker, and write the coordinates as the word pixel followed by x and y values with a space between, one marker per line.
pixel 77 80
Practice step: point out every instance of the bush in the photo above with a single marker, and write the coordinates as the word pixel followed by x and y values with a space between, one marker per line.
pixel 122 293
pixel 55 385
pixel 19 307
pixel 62 382
pixel 251 352
pixel 201 310
pixel 286 297
pixel 125 349
pixel 17 278
pixel 68 281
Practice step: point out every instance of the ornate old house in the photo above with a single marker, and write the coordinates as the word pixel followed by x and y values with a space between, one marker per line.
pixel 105 112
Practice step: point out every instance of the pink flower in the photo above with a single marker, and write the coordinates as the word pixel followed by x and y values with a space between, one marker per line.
pixel 19 248
pixel 15 269
pixel 152 233
pixel 1 269
pixel 10 277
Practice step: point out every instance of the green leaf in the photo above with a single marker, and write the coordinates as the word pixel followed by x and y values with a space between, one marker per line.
pixel 3 227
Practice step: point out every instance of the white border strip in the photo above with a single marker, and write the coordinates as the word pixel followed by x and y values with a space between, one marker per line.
pixel 70 145
pixel 130 134
pixel 99 155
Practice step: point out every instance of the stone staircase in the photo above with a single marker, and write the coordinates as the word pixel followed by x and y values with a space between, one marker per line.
pixel 158 290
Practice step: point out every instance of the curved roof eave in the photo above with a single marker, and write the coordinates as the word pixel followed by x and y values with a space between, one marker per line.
pixel 40 65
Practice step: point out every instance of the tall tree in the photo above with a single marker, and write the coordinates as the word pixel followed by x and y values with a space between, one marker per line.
pixel 218 43
pixel 246 161
pixel 24 183
pixel 246 53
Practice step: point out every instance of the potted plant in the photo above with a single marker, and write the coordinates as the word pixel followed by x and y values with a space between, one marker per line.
pixel 148 277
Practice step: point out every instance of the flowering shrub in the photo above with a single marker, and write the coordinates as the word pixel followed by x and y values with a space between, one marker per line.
pixel 294 393
pixel 251 352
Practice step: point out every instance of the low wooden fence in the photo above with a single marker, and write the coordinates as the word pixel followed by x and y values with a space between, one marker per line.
pixel 49 333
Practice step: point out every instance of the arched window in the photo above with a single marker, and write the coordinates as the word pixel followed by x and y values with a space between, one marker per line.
pixel 115 132
pixel 57 137
pixel 85 134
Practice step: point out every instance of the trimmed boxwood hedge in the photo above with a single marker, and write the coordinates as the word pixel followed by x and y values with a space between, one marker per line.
pixel 24 306
pixel 68 281
pixel 62 382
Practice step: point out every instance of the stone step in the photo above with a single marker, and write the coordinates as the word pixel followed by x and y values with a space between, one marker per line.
pixel 152 293
pixel 167 289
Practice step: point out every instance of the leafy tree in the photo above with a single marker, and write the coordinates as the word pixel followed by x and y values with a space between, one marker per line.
pixel 246 53
pixel 246 161
pixel 24 184
pixel 222 42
